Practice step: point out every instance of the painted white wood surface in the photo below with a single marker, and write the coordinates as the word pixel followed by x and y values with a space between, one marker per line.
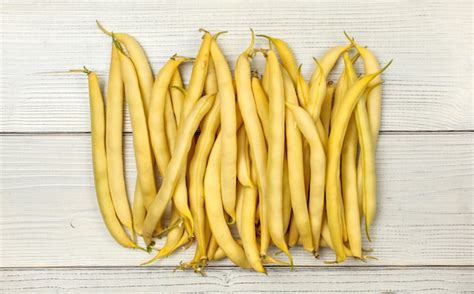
pixel 156 280
pixel 48 212
pixel 50 215
pixel 428 87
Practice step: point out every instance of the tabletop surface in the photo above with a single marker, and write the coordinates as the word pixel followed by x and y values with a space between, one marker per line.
pixel 52 237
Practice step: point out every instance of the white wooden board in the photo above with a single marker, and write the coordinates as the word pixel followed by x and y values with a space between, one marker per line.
pixel 50 215
pixel 428 87
pixel 301 280
pixel 51 236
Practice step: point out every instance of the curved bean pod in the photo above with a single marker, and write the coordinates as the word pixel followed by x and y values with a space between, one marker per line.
pixel 294 146
pixel 99 160
pixel 276 152
pixel 228 128
pixel 141 140
pixel 318 166
pixel 349 172
pixel 197 169
pixel 215 211
pixel 113 141
pixel 177 164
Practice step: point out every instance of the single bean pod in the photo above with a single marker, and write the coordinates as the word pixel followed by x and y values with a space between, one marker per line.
pixel 226 96
pixel 215 210
pixel 294 147
pixel 141 140
pixel 176 166
pixel 276 153
pixel 114 141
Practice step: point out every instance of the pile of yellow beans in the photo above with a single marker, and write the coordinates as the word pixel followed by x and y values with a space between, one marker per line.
pixel 246 161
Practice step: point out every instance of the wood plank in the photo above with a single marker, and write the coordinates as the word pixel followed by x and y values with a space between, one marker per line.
pixel 427 88
pixel 321 280
pixel 50 215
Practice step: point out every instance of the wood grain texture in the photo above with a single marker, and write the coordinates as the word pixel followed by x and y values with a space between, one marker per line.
pixel 49 214
pixel 423 234
pixel 301 280
pixel 427 88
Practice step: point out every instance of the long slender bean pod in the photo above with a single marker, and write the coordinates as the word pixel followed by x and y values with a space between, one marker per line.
pixel 261 103
pixel 294 146
pixel 99 160
pixel 229 131
pixel 114 141
pixel 145 80
pixel 215 211
pixel 197 169
pixel 367 143
pixel 349 172
pixel 175 227
pixel 248 109
pixel 193 93
pixel 141 140
pixel 276 153
pixel 318 165
pixel 374 104
pixel 176 165
pixel 368 125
